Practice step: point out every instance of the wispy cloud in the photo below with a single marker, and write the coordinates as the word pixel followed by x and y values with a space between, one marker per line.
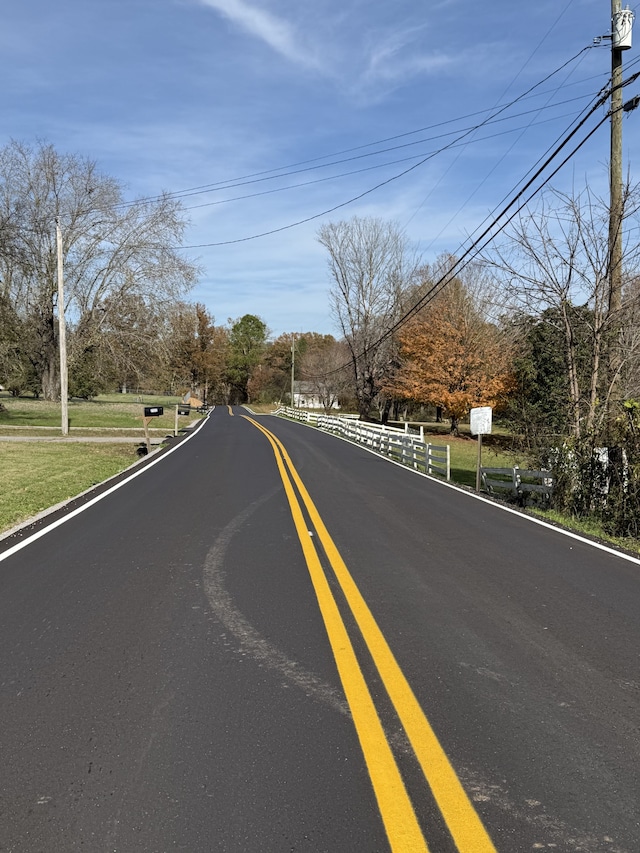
pixel 397 56
pixel 276 32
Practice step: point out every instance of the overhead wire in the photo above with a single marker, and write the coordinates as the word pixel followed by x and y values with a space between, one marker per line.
pixel 489 234
pixel 368 168
pixel 510 85
pixel 462 135
pixel 284 171
pixel 514 142
pixel 262 177
pixel 588 110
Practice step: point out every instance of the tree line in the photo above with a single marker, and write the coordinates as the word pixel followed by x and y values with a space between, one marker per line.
pixel 526 327
pixel 126 283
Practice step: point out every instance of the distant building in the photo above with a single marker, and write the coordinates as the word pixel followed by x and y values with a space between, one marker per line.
pixel 305 396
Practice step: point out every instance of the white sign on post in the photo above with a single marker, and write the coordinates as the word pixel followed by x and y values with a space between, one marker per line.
pixel 480 421
pixel 480 424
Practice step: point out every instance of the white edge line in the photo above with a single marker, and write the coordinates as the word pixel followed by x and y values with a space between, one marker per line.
pixel 43 532
pixel 477 497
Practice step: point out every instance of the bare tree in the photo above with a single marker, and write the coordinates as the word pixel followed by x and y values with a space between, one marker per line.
pixel 370 266
pixel 112 251
pixel 630 337
pixel 324 370
pixel 556 256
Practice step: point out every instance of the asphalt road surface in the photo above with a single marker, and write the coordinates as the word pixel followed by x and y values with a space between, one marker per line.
pixel 268 639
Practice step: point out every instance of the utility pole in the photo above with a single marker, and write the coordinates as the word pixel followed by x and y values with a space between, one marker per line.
pixel 621 24
pixel 62 337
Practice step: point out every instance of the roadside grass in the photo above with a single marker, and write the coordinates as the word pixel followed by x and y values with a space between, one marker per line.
pixel 588 527
pixel 464 457
pixel 112 412
pixel 37 476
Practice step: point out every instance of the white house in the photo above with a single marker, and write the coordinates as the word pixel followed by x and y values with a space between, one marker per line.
pixel 306 396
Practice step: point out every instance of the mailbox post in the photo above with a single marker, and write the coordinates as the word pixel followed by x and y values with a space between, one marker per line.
pixel 181 411
pixel 150 412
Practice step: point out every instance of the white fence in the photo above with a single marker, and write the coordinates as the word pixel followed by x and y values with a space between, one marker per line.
pixel 399 445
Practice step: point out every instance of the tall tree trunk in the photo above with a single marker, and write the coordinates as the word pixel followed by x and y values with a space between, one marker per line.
pixel 46 361
pixel 572 370
pixel 50 380
pixel 595 381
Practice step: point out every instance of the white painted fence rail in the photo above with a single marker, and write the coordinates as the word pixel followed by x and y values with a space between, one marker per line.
pixel 401 446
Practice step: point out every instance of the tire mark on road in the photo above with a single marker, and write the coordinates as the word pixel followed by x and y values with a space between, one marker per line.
pixel 250 640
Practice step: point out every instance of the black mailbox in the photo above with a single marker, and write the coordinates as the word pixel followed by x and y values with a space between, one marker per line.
pixel 184 410
pixel 153 411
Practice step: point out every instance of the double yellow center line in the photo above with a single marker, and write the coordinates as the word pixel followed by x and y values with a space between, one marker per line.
pixel 403 830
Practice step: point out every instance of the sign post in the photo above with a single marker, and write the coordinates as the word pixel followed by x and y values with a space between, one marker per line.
pixel 480 423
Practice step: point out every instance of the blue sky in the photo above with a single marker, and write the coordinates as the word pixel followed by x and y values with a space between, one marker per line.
pixel 179 94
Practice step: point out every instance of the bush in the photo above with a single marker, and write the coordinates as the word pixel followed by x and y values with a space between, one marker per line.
pixel 601 483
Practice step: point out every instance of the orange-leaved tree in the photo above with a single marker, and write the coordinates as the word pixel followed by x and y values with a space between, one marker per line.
pixel 452 356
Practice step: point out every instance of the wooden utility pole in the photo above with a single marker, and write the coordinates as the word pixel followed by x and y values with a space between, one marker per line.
pixel 619 22
pixel 62 338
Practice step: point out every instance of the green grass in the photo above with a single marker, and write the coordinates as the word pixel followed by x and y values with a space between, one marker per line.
pixel 139 399
pixel 588 527
pixel 464 457
pixel 37 476
pixel 116 411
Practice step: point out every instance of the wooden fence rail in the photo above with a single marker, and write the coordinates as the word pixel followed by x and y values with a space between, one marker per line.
pixel 519 483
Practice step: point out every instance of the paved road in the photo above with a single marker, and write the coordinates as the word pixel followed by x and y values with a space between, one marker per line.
pixel 254 647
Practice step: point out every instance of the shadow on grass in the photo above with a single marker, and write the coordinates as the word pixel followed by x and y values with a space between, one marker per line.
pixel 463 477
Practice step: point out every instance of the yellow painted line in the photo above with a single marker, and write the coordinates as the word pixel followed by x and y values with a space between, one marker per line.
pixel 230 411
pixel 457 810
pixel 398 816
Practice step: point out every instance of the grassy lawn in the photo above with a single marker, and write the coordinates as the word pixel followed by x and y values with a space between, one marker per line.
pixel 139 399
pixel 116 411
pixel 37 476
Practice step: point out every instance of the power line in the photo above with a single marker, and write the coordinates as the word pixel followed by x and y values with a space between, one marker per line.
pixel 361 195
pixel 283 171
pixel 262 177
pixel 597 99
pixel 452 146
pixel 489 234
pixel 514 142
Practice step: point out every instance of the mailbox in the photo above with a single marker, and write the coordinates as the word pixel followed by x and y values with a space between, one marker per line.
pixel 184 411
pixel 153 411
